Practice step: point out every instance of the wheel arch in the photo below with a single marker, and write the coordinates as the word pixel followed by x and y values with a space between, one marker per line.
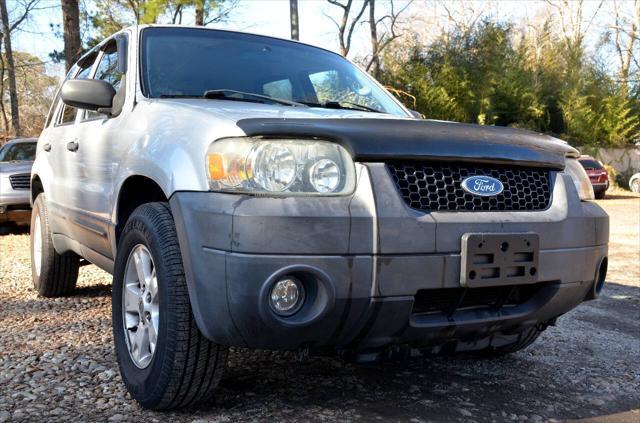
pixel 134 191
pixel 36 187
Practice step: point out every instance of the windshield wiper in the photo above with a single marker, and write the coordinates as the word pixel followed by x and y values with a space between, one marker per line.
pixel 225 94
pixel 345 105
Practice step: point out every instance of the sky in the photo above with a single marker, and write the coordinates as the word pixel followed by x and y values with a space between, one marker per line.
pixel 271 17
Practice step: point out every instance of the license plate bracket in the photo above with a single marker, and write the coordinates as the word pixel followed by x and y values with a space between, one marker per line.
pixel 493 259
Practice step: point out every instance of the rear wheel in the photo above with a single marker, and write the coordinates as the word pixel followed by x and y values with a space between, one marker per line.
pixel 600 194
pixel 164 360
pixel 635 185
pixel 53 274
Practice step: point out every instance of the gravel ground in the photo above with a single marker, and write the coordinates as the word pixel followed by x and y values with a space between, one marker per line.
pixel 57 361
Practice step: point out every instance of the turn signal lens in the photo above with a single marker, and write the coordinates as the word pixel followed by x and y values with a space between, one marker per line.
pixel 216 167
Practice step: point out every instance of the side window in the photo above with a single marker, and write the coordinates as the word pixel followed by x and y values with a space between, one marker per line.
pixel 68 114
pixel 108 71
pixel 56 101
pixel 108 67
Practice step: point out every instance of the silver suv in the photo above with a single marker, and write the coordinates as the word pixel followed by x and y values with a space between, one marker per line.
pixel 256 192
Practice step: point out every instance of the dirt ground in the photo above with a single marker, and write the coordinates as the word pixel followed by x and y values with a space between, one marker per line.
pixel 57 361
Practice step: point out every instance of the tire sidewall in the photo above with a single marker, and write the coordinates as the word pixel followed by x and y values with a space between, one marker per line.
pixel 146 385
pixel 39 210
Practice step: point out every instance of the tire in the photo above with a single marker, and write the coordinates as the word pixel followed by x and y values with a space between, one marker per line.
pixel 53 274
pixel 600 195
pixel 525 339
pixel 184 368
pixel 635 185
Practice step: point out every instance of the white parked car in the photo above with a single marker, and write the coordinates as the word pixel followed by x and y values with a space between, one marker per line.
pixel 634 182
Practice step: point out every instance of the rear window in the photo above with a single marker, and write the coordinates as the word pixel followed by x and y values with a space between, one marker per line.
pixel 590 164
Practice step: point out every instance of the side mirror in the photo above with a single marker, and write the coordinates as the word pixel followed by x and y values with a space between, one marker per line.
pixel 89 94
pixel 416 114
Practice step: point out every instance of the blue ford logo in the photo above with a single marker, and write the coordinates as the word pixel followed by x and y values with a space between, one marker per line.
pixel 484 186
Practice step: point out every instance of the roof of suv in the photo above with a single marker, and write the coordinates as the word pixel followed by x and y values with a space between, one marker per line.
pixel 170 26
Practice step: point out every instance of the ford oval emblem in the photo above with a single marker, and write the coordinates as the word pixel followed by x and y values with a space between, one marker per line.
pixel 484 186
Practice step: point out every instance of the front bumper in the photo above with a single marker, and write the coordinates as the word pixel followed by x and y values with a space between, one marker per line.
pixel 600 186
pixel 14 204
pixel 369 256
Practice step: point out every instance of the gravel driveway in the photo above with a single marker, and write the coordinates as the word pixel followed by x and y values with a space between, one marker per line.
pixel 57 361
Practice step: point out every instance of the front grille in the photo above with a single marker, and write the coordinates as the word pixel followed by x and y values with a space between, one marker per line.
pixel 437 187
pixel 447 301
pixel 21 181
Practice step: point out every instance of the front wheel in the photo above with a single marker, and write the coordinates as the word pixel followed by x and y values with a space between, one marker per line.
pixel 635 185
pixel 164 360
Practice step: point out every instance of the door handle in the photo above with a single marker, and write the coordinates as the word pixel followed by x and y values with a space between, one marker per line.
pixel 46 146
pixel 73 146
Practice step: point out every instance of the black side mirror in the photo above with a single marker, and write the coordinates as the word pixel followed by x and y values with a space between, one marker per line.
pixel 89 94
pixel 416 114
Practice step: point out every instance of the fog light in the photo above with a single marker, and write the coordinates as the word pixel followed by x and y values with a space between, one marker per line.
pixel 287 296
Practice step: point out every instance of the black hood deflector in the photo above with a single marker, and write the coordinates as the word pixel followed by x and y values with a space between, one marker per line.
pixel 391 139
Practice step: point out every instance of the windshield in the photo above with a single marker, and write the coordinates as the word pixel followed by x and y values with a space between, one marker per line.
pixel 179 62
pixel 24 151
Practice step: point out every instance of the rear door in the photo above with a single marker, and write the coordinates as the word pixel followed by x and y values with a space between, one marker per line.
pixel 56 140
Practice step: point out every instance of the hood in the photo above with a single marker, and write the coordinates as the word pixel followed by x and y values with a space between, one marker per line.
pixel 382 137
pixel 16 167
pixel 235 111
pixel 408 139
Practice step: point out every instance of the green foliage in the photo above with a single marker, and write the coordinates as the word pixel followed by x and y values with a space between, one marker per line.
pixel 110 16
pixel 492 74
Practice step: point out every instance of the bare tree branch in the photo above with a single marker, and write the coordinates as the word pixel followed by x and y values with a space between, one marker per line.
pixel 380 40
pixel 346 26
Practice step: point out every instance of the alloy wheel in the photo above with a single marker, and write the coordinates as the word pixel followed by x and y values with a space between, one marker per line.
pixel 140 306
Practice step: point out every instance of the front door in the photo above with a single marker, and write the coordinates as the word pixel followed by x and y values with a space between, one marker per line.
pixel 97 158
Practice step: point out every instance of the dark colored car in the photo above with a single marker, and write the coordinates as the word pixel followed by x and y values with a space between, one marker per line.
pixel 16 159
pixel 598 175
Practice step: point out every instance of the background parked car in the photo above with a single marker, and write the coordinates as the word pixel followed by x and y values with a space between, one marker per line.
pixel 16 159
pixel 598 175
pixel 634 182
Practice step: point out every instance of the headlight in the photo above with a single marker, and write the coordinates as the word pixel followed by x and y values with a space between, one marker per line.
pixel 580 179
pixel 280 167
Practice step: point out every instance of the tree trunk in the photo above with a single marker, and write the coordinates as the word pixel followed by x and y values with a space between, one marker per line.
pixel 200 12
pixel 295 35
pixel 13 92
pixel 71 24
pixel 5 120
pixel 373 28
